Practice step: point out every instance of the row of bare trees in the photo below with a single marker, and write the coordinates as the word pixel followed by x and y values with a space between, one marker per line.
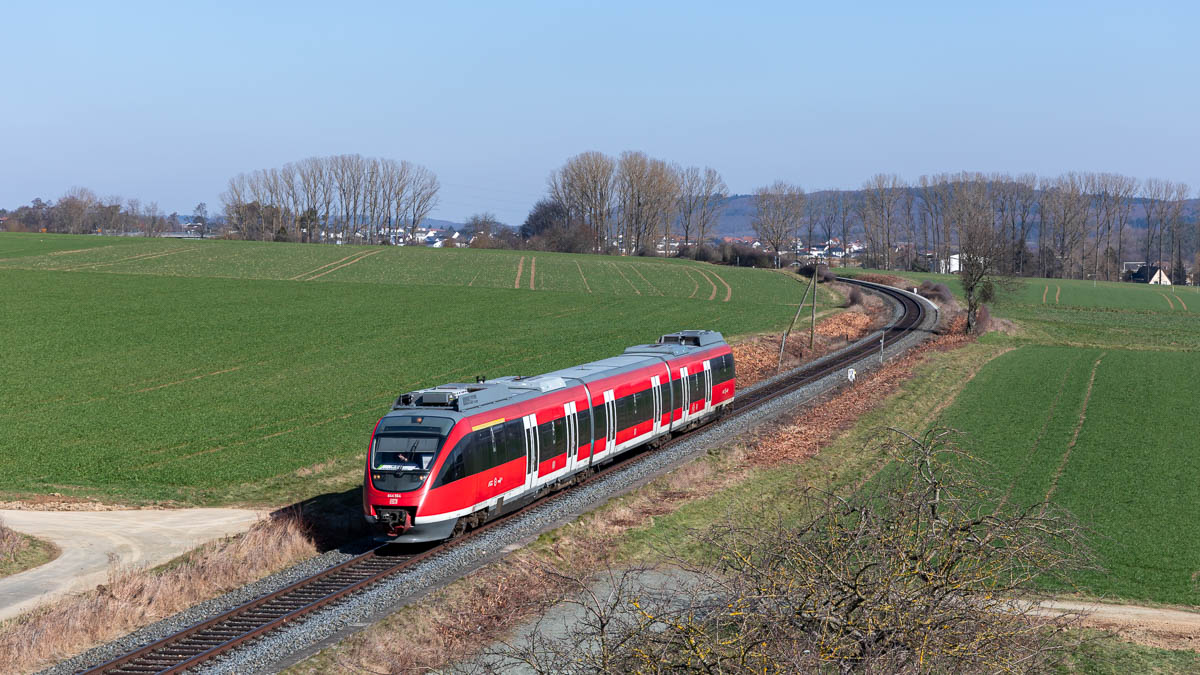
pixel 1075 225
pixel 336 198
pixel 634 199
pixel 81 211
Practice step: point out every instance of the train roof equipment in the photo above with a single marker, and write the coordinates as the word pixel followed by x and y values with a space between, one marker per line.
pixel 463 397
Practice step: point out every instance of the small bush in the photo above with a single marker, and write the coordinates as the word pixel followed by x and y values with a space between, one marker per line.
pixel 938 292
pixel 855 297
pixel 822 272
pixel 706 254
pixel 983 320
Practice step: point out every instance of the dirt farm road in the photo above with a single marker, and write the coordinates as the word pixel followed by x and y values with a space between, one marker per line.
pixel 88 540
pixel 1154 626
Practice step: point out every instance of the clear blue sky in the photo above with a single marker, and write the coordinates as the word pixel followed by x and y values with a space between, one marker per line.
pixel 166 101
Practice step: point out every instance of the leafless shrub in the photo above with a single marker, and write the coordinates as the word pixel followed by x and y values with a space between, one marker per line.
pixel 854 298
pixel 134 596
pixel 937 292
pixel 925 570
pixel 983 320
pixel 11 543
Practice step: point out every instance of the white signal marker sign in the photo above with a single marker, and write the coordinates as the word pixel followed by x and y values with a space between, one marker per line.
pixel 850 374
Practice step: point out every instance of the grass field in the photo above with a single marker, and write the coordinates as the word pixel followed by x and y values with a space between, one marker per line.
pixel 1128 464
pixel 527 270
pixel 208 372
pixel 1108 434
pixel 1104 314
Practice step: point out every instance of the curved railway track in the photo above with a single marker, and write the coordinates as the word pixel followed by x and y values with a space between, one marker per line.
pixel 226 632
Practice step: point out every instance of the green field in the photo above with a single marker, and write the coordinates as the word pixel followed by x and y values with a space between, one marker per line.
pixel 1133 472
pixel 1102 314
pixel 208 372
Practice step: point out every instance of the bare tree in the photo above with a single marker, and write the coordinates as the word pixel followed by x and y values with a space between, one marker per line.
pixel 778 213
pixel 422 196
pixel 981 246
pixel 880 207
pixel 584 187
pixel 700 195
pixel 925 570
pixel 73 209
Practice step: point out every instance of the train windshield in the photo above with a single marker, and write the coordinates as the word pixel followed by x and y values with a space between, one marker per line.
pixel 404 450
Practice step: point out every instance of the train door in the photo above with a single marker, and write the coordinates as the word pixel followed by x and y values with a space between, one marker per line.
pixel 610 422
pixel 708 385
pixel 531 450
pixel 656 404
pixel 571 422
pixel 685 395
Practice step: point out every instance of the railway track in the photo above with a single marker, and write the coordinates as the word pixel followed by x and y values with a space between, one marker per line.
pixel 226 632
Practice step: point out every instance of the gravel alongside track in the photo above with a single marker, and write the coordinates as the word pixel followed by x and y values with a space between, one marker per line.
pixel 325 627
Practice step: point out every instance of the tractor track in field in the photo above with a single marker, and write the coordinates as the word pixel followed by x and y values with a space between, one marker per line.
pixel 263 619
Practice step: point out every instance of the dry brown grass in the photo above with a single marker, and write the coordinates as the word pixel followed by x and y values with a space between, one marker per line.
pixel 135 597
pixel 802 435
pixel 468 615
pixel 757 358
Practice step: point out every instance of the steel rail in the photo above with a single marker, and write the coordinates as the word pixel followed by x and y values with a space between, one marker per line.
pixel 233 628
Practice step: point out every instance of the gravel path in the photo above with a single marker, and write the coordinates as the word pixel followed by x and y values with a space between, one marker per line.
pixel 285 647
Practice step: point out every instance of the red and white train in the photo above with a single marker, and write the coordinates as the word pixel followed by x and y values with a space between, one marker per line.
pixel 449 458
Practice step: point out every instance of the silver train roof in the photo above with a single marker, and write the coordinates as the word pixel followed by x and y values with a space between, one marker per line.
pixel 459 399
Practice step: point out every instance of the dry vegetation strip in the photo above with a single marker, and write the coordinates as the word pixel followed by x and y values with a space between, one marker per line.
pixel 1087 396
pixel 1182 303
pixel 136 597
pixel 618 269
pixel 710 283
pixel 472 613
pixel 197 377
pixel 1057 292
pixel 520 266
pixel 581 276
pixel 643 276
pixel 304 274
pixel 1168 299
pixel 695 284
pixel 728 288
pixel 138 257
pixel 346 264
pixel 1044 292
pixel 532 272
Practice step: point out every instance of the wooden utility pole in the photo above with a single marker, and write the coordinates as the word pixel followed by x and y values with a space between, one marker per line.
pixel 812 329
pixel 783 341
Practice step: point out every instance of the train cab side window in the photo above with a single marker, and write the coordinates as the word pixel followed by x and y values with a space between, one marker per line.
pixel 455 466
pixel 664 391
pixel 677 393
pixel 696 386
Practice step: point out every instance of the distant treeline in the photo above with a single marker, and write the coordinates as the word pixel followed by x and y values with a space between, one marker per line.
pixel 1076 225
